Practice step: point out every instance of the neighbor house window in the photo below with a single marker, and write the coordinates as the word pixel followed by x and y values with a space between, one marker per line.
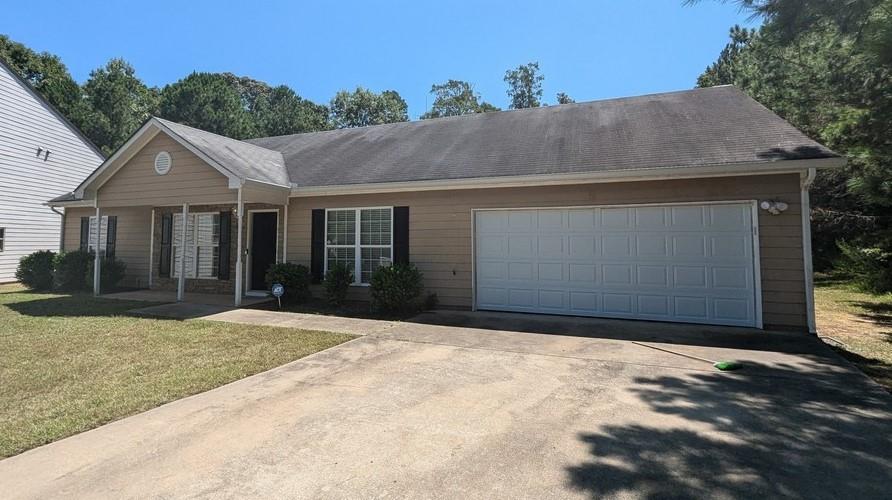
pixel 103 235
pixel 2 238
pixel 202 245
pixel 361 238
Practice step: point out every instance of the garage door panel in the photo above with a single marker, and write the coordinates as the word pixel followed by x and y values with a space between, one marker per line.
pixel 581 220
pixel 687 217
pixel 692 308
pixel 552 246
pixel 674 263
pixel 616 245
pixel 584 302
pixel 582 246
pixel 651 218
pixel 722 217
pixel 649 275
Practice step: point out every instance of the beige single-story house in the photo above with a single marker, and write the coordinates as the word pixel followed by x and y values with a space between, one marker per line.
pixel 687 206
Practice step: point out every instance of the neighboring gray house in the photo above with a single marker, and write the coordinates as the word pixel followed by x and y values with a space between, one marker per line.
pixel 41 156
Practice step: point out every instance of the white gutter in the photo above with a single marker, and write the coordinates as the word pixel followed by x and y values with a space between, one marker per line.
pixel 633 175
pixel 805 182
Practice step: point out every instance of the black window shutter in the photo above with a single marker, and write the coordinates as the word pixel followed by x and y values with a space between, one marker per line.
pixel 111 236
pixel 225 237
pixel 401 235
pixel 166 229
pixel 317 245
pixel 85 233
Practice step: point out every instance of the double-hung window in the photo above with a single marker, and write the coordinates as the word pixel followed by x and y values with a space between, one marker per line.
pixel 202 245
pixel 2 238
pixel 103 235
pixel 361 238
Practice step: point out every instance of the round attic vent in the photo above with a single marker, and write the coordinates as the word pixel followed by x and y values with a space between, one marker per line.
pixel 162 163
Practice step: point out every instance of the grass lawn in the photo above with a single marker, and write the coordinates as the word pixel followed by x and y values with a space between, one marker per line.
pixel 861 322
pixel 71 363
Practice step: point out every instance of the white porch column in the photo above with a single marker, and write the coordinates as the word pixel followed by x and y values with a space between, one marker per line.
pixel 285 234
pixel 181 283
pixel 239 212
pixel 151 246
pixel 97 261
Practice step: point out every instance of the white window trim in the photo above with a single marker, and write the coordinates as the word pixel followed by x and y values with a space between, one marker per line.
pixel 175 269
pixel 357 246
pixel 2 238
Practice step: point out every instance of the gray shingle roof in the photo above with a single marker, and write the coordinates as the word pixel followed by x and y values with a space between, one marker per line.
pixel 247 161
pixel 709 126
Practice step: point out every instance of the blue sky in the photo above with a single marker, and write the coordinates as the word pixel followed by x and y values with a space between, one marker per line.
pixel 589 49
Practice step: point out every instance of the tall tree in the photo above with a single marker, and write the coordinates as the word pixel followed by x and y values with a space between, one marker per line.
pixel 119 103
pixel 525 86
pixel 46 73
pixel 282 112
pixel 207 101
pixel 363 107
pixel 563 98
pixel 456 97
pixel 821 65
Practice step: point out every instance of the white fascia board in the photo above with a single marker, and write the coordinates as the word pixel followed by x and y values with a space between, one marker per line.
pixel 650 174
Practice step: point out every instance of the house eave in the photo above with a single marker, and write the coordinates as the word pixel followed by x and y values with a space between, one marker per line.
pixel 650 174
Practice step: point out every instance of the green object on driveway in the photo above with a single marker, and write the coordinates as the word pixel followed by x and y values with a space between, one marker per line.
pixel 727 366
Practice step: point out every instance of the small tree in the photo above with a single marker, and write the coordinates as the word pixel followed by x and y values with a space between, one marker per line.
pixel 525 86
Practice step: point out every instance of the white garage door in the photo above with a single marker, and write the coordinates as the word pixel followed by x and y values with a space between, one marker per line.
pixel 686 263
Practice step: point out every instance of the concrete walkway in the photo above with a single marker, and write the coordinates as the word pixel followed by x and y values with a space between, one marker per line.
pixel 337 324
pixel 435 411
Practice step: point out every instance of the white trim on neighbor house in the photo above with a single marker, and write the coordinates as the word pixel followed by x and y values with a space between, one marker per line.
pixel 805 183
pixel 357 246
pixel 250 235
pixel 757 262
pixel 649 174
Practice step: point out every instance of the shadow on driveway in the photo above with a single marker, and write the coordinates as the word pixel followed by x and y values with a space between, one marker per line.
pixel 827 436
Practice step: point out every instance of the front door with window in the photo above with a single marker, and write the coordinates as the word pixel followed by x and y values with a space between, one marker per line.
pixel 264 226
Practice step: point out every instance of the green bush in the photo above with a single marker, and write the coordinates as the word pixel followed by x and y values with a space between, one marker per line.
pixel 337 282
pixel 111 272
pixel 35 271
pixel 396 288
pixel 871 268
pixel 71 270
pixel 295 278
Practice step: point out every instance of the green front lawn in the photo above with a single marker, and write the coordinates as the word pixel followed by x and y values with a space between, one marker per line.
pixel 858 325
pixel 71 363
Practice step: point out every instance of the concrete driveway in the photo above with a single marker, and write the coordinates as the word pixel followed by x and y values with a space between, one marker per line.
pixel 426 409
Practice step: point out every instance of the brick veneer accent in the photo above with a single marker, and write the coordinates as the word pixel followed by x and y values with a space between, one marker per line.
pixel 214 285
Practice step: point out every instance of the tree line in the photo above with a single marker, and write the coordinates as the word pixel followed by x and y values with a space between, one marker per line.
pixel 826 67
pixel 113 102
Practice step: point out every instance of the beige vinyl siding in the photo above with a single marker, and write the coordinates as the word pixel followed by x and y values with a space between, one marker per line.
pixel 131 242
pixel 28 181
pixel 440 228
pixel 190 179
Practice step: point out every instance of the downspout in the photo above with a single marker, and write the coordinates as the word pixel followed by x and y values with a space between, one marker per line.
pixel 806 179
pixel 61 228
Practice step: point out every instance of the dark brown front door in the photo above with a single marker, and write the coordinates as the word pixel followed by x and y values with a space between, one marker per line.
pixel 263 247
